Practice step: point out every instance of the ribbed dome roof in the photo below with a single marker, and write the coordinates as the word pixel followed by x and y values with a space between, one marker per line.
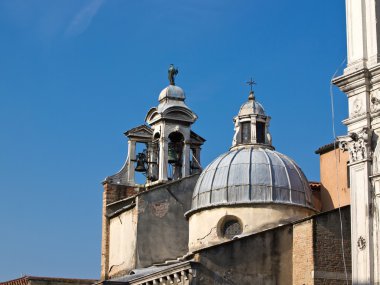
pixel 173 92
pixel 251 107
pixel 251 175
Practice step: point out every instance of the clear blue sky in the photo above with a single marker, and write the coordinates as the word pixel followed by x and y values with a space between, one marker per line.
pixel 74 75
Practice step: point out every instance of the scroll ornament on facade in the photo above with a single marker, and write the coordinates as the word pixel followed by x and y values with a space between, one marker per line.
pixel 357 144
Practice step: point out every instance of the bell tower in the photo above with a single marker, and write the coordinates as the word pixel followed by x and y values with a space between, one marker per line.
pixel 171 149
pixel 175 147
pixel 163 149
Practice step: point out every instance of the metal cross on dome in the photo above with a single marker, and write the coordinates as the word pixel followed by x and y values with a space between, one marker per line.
pixel 251 82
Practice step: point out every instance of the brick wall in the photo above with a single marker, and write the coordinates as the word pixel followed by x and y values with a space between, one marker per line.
pixel 317 249
pixel 328 252
pixel 303 258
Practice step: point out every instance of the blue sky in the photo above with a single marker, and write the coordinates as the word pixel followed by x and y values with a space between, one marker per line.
pixel 75 74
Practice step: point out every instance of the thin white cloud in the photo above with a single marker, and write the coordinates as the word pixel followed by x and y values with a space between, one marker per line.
pixel 83 18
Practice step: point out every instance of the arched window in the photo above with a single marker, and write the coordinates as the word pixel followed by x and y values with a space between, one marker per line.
pixel 246 132
pixel 260 132
pixel 175 150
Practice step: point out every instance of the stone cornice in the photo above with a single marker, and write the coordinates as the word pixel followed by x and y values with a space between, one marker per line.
pixel 353 81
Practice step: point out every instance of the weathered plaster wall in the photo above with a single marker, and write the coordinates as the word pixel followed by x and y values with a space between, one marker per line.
pixel 162 230
pixel 205 225
pixel 122 244
pixel 262 258
pixel 330 197
pixel 112 193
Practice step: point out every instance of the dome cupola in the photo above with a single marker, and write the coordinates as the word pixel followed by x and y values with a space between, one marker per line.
pixel 249 188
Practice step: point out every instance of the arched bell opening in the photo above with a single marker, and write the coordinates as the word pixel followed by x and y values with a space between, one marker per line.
pixel 153 158
pixel 195 166
pixel 141 162
pixel 175 151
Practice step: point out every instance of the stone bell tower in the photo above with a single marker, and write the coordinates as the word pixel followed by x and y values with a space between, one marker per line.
pixel 361 83
pixel 171 148
pixel 164 149
pixel 176 148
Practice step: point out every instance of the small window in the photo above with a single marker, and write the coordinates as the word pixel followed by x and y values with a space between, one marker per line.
pixel 260 132
pixel 246 132
pixel 231 228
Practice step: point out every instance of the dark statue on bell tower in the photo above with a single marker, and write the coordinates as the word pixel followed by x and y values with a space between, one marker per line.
pixel 172 72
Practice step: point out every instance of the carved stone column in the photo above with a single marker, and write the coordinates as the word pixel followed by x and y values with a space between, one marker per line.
pixel 131 165
pixel 253 130
pixel 186 159
pixel 163 160
pixel 359 147
pixel 153 160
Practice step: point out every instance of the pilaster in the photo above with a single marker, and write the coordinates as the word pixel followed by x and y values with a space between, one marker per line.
pixel 362 34
pixel 163 161
pixel 186 159
pixel 131 157
pixel 359 147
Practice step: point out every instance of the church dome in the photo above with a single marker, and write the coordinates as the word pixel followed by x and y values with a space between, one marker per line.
pixel 251 175
pixel 251 107
pixel 172 92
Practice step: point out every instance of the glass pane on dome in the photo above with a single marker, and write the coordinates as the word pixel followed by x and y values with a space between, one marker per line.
pixel 219 196
pixel 261 193
pixel 220 179
pixel 294 175
pixel 259 156
pixel 238 193
pixel 242 157
pixel 221 174
pixel 205 184
pixel 275 158
pixel 239 174
pixel 203 199
pixel 281 194
pixel 280 177
pixel 260 174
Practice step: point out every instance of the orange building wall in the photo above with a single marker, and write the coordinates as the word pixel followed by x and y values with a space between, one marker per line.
pixel 333 191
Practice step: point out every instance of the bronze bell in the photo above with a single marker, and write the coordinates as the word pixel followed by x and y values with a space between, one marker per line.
pixel 172 155
pixel 140 163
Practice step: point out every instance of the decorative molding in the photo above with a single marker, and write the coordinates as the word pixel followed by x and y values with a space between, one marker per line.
pixel 357 144
pixel 375 101
pixel 362 243
pixel 357 107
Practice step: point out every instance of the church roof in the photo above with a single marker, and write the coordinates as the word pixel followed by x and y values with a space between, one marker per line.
pixel 25 280
pixel 251 175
